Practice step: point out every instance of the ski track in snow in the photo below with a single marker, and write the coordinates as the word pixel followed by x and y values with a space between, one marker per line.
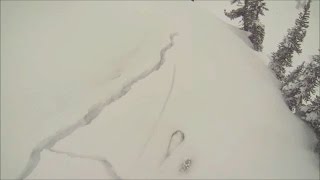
pixel 92 113
pixel 161 112
pixel 102 160
pixel 170 149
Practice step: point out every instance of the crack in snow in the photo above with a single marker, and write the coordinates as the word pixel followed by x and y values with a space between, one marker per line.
pixel 102 160
pixel 92 113
pixel 154 127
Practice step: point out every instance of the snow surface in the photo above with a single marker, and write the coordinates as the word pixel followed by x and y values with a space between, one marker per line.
pixel 59 59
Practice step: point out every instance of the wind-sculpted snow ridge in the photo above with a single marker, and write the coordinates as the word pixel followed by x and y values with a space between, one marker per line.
pixel 102 160
pixel 92 113
pixel 161 112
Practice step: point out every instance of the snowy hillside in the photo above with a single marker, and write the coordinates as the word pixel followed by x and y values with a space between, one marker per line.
pixel 140 90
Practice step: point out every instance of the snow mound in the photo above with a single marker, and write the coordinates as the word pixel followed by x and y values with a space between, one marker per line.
pixel 212 110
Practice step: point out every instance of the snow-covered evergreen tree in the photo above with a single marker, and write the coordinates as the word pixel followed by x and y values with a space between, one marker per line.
pixel 293 75
pixel 298 88
pixel 290 44
pixel 257 35
pixel 310 79
pixel 301 84
pixel 256 8
pixel 289 87
pixel 311 114
pixel 250 11
pixel 240 12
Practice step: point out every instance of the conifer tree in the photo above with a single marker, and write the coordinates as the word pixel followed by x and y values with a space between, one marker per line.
pixel 257 35
pixel 301 84
pixel 249 12
pixel 289 88
pixel 282 58
pixel 311 112
pixel 312 116
pixel 293 76
pixel 298 88
pixel 256 8
pixel 310 78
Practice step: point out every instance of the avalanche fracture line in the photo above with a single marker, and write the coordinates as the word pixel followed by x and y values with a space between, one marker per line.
pixel 92 113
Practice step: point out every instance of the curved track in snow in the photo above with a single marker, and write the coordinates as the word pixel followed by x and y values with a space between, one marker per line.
pixel 154 127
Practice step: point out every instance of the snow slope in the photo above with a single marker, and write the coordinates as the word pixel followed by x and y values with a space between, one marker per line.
pixel 211 86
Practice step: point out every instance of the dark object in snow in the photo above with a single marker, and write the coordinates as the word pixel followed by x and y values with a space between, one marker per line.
pixel 185 166
pixel 176 139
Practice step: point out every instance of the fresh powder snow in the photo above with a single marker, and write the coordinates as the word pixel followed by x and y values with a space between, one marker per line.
pixel 140 90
